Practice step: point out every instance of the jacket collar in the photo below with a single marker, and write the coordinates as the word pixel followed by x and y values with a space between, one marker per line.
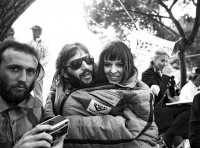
pixel 131 82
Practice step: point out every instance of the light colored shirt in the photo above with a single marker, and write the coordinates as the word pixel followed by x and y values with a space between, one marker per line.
pixel 16 121
pixel 42 49
pixel 188 91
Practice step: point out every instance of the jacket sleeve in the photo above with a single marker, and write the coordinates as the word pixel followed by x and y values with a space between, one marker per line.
pixel 148 78
pixel 48 108
pixel 194 124
pixel 97 128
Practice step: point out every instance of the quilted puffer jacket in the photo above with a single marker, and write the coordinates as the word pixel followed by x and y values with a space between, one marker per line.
pixel 111 116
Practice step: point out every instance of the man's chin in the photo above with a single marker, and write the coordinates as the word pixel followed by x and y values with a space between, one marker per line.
pixel 87 81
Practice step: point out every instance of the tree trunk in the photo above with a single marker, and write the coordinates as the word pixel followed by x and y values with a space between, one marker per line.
pixel 183 70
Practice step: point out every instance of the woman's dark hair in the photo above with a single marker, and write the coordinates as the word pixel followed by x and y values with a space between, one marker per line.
pixel 21 47
pixel 116 50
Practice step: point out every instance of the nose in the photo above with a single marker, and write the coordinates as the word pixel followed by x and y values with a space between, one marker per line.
pixel 165 63
pixel 23 76
pixel 113 69
pixel 84 65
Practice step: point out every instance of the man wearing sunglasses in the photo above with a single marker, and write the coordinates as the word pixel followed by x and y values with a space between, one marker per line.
pixel 74 69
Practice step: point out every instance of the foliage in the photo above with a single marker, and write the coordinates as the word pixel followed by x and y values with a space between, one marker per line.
pixel 144 15
pixel 126 15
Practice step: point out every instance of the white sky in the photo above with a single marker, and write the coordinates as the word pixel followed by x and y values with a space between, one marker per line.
pixel 62 22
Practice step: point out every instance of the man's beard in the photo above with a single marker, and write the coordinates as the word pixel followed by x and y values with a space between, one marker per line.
pixel 13 98
pixel 77 83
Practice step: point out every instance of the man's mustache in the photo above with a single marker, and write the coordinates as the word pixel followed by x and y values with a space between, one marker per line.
pixel 21 85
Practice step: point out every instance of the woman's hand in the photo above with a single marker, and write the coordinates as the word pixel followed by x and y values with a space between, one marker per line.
pixel 176 98
pixel 155 89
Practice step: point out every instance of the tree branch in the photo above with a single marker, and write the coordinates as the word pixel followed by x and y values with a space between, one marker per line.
pixel 194 2
pixel 175 1
pixel 196 24
pixel 180 29
pixel 160 16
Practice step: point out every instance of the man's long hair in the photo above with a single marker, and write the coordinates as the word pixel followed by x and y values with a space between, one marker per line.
pixel 68 51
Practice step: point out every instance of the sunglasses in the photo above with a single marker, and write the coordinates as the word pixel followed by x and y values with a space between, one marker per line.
pixel 76 64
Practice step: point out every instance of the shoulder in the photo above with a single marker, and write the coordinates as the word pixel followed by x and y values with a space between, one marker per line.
pixel 196 98
pixel 148 71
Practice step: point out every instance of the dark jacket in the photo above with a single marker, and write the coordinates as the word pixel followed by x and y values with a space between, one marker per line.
pixel 194 124
pixel 152 77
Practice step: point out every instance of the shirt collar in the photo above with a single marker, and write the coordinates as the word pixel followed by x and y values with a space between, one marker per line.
pixel 31 102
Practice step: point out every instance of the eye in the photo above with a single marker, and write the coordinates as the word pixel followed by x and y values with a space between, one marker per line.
pixel 106 64
pixel 31 71
pixel 14 68
pixel 120 64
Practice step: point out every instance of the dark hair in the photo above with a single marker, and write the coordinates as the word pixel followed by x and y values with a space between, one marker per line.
pixel 21 47
pixel 196 74
pixel 116 50
pixel 157 54
pixel 68 51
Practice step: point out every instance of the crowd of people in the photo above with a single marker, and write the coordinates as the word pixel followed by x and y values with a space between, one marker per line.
pixel 105 102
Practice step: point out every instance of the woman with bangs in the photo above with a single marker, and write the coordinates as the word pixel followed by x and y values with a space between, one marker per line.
pixel 119 107
pixel 116 53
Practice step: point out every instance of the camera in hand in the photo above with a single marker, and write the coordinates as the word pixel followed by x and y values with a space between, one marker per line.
pixel 60 127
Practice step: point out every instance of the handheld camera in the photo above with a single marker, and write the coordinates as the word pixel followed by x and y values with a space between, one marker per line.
pixel 60 127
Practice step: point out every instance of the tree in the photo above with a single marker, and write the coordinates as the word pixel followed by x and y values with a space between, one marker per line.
pixel 146 14
pixel 10 10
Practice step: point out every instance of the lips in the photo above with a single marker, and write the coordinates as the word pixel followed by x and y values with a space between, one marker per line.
pixel 86 75
pixel 21 88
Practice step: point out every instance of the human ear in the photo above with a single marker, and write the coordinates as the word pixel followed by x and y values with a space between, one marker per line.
pixel 64 73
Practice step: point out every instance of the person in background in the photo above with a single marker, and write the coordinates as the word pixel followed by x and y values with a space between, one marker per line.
pixel 42 49
pixel 173 121
pixel 118 112
pixel 190 89
pixel 194 124
pixel 20 112
pixel 9 35
pixel 167 75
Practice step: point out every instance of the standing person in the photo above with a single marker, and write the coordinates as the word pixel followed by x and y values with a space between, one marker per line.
pixel 42 49
pixel 19 111
pixel 119 115
pixel 172 121
pixel 190 89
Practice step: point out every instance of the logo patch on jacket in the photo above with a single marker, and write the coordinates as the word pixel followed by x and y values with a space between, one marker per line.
pixel 97 108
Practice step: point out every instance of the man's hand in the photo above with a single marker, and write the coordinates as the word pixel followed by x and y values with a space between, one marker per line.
pixel 36 138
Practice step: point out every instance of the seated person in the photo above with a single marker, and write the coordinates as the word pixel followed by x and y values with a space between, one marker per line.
pixel 194 125
pixel 190 89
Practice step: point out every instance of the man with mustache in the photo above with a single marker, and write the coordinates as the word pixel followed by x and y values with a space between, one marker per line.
pixel 74 69
pixel 20 113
